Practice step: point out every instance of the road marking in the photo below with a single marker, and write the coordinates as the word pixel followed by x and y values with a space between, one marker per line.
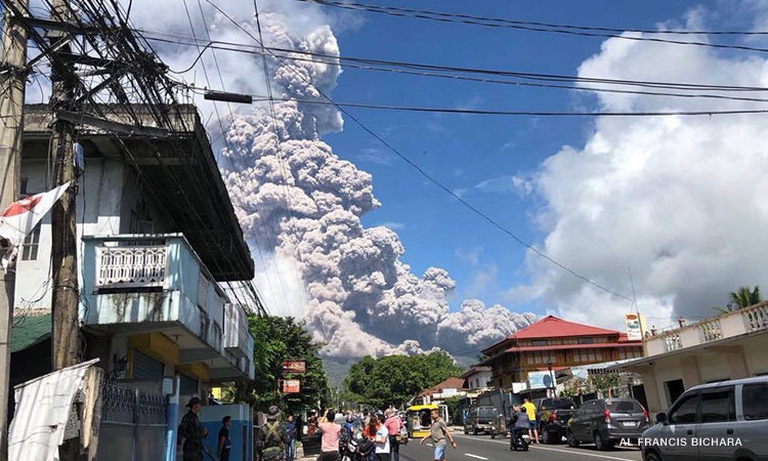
pixel 572 452
pixel 476 457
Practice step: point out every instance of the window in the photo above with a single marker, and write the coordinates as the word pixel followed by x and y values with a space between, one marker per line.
pixel 598 355
pixel 23 186
pixel 754 402
pixel 622 355
pixel 718 406
pixel 591 355
pixel 31 245
pixel 685 412
pixel 539 342
pixel 586 340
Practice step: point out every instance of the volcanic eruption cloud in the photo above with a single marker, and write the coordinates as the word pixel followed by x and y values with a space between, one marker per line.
pixel 300 205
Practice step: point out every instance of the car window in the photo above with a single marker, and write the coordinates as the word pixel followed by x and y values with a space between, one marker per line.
pixel 754 402
pixel 719 406
pixel 487 412
pixel 685 412
pixel 546 404
pixel 563 404
pixel 626 406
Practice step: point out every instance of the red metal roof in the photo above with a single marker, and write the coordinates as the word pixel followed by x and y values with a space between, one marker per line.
pixel 450 383
pixel 575 346
pixel 554 327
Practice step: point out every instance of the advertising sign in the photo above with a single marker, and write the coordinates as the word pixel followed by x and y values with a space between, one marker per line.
pixel 541 380
pixel 291 386
pixel 294 367
pixel 634 327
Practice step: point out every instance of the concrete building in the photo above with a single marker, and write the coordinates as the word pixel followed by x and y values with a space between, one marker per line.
pixel 158 244
pixel 552 345
pixel 728 346
pixel 451 387
pixel 477 378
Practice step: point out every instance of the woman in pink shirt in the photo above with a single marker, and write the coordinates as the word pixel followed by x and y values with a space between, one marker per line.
pixel 329 445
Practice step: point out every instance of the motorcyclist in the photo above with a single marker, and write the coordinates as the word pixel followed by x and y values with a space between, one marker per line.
pixel 519 424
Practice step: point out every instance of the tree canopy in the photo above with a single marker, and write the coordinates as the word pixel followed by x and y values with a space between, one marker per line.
pixel 741 298
pixel 396 379
pixel 277 339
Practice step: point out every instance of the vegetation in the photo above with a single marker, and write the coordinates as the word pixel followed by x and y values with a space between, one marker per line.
pixel 604 382
pixel 741 298
pixel 277 339
pixel 396 379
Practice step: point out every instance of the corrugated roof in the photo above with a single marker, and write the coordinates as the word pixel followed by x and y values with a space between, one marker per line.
pixel 554 327
pixel 29 331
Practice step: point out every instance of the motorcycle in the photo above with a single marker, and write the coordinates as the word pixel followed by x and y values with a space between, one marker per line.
pixel 520 441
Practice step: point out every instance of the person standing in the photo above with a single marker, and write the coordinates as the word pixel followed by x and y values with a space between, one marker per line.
pixel 273 437
pixel 382 441
pixel 530 408
pixel 438 433
pixel 192 432
pixel 225 444
pixel 290 448
pixel 329 442
pixel 394 425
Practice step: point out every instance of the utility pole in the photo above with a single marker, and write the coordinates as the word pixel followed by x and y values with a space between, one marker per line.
pixel 66 291
pixel 12 83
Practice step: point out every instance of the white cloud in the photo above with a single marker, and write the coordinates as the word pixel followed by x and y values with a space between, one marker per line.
pixel 680 200
pixel 393 225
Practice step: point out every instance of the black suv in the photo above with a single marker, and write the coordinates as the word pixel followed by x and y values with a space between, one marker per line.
pixel 605 422
pixel 552 416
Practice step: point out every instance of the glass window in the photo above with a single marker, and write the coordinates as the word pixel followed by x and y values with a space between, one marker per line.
pixel 539 342
pixel 685 412
pixel 31 245
pixel 586 340
pixel 718 406
pixel 598 355
pixel 591 356
pixel 754 402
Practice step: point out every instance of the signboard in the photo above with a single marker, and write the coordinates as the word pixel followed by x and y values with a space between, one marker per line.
pixel 291 386
pixel 541 380
pixel 634 327
pixel 294 367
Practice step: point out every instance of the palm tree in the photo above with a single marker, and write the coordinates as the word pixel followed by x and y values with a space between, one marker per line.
pixel 741 298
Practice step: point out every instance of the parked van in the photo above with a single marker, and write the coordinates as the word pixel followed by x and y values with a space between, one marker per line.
pixel 481 420
pixel 719 421
pixel 607 422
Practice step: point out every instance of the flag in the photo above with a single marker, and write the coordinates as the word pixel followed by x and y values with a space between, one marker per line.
pixel 20 217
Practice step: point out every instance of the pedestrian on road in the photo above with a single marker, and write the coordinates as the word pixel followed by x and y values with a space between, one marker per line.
pixel 370 431
pixel 394 425
pixel 192 432
pixel 225 444
pixel 438 433
pixel 273 437
pixel 329 446
pixel 530 408
pixel 290 447
pixel 383 444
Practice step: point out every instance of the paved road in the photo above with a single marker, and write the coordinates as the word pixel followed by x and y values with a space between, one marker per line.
pixel 483 448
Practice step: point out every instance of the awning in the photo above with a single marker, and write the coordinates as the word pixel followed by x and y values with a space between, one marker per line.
pixel 28 331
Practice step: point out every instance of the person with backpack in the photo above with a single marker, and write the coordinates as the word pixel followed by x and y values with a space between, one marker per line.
pixel 274 437
pixel 394 427
pixel 329 441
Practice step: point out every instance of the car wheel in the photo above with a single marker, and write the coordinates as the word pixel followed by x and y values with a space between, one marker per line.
pixel 572 442
pixel 545 437
pixel 600 443
pixel 466 431
pixel 652 456
pixel 493 434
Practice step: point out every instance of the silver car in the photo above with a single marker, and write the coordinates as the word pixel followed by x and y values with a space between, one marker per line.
pixel 725 421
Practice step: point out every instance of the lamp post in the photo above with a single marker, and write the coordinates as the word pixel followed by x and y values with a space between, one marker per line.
pixel 551 377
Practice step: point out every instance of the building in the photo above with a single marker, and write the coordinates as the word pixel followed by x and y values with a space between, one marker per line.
pixel 477 378
pixel 551 346
pixel 158 246
pixel 435 395
pixel 728 346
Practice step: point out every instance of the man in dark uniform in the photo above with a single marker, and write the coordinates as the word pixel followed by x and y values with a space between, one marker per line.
pixel 273 437
pixel 192 432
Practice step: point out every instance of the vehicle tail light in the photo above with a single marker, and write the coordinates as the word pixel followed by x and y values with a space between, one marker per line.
pixel 607 415
pixel 553 417
pixel 646 417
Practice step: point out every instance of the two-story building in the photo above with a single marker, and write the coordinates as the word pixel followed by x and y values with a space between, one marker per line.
pixel 158 246
pixel 552 345
pixel 727 346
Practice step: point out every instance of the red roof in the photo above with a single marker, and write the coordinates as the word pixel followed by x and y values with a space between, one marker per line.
pixel 450 383
pixel 553 327
pixel 575 346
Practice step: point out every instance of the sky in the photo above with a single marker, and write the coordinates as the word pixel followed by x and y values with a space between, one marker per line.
pixel 354 240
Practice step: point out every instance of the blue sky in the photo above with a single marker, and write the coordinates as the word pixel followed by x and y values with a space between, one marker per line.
pixel 476 155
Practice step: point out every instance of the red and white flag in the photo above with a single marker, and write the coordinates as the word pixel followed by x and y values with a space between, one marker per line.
pixel 21 217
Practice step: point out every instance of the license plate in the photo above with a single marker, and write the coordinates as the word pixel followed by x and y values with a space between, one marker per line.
pixel 630 423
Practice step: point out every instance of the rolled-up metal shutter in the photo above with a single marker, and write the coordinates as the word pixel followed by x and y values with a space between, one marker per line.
pixel 145 367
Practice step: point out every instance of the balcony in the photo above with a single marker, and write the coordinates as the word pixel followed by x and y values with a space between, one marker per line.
pixel 744 321
pixel 145 283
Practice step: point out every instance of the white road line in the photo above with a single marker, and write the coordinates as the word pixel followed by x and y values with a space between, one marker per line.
pixel 476 457
pixel 573 452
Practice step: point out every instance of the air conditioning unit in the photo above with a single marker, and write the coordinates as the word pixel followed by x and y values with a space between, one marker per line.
pixel 234 317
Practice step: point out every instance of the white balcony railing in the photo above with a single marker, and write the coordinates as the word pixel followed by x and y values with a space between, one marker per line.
pixel 728 325
pixel 131 266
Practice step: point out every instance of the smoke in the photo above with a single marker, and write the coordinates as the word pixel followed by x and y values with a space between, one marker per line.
pixel 300 205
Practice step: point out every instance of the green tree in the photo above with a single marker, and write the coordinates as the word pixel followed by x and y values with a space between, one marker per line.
pixel 396 379
pixel 741 298
pixel 277 339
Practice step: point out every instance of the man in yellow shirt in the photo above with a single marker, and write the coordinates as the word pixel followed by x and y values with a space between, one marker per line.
pixel 530 408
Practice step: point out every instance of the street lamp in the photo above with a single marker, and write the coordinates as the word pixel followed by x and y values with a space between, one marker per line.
pixel 551 376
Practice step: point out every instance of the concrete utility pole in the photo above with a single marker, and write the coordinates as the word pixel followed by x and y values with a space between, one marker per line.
pixel 66 291
pixel 12 83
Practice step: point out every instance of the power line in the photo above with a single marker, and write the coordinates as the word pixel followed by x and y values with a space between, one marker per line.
pixel 531 26
pixel 432 179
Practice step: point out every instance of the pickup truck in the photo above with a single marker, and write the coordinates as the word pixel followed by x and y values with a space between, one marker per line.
pixel 553 415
